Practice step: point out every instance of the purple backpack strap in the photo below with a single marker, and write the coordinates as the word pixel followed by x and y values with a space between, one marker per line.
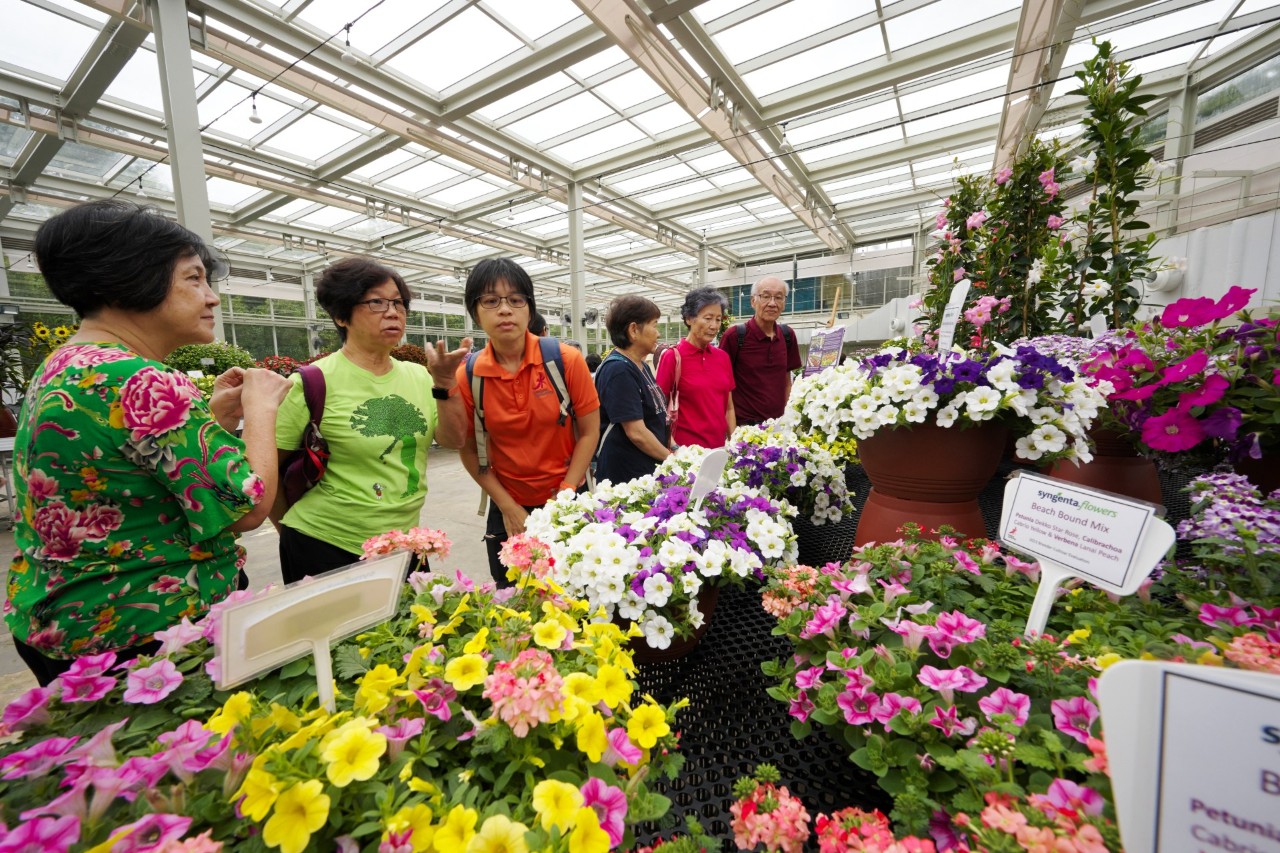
pixel 313 391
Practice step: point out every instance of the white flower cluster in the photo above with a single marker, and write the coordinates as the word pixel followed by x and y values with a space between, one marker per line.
pixel 654 580
pixel 856 400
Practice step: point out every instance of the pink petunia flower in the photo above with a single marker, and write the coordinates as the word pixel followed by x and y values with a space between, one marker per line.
pixel 47 835
pixel 948 681
pixel 610 805
pixel 90 665
pixel 1172 431
pixel 1216 616
pixel 860 707
pixel 1003 176
pixel 825 620
pixel 29 709
pixel 150 684
pixel 1074 717
pixel 893 704
pixel 1004 701
pixel 801 707
pixel 1210 391
pixel 949 722
pixel 435 698
pixel 1192 365
pixel 1067 798
pixel 810 678
pixel 177 637
pixel 967 563
pixel 1185 313
pixel 620 749
pixel 37 760
pixel 99 749
pixel 404 730
pixel 152 832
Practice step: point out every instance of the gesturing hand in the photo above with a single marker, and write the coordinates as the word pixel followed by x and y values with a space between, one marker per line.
pixel 444 365
pixel 226 404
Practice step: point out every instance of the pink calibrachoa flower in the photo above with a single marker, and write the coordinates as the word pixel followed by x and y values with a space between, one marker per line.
pixel 947 681
pixel 620 749
pixel 435 698
pixel 1172 431
pixel 610 805
pixel 45 835
pixel 1216 616
pixel 1074 717
pixel 1065 796
pixel 861 707
pixel 150 833
pixel 1004 701
pixel 29 709
pixel 524 691
pixel 37 760
pixel 949 722
pixel 150 684
pixel 893 704
pixel 177 637
pixel 404 730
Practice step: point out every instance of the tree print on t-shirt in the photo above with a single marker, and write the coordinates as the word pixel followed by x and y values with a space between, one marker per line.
pixel 403 422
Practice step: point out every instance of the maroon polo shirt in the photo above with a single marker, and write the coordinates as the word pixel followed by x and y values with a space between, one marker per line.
pixel 760 369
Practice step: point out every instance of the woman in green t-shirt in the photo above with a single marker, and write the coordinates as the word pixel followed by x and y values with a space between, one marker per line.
pixel 129 487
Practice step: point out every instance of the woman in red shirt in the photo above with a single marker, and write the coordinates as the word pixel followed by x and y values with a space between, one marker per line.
pixel 697 376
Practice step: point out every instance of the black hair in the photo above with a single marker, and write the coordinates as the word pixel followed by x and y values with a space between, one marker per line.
pixel 625 310
pixel 537 324
pixel 593 362
pixel 698 298
pixel 484 278
pixel 344 283
pixel 115 254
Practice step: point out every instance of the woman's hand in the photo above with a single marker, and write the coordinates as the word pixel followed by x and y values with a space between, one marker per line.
pixel 513 519
pixel 263 390
pixel 226 403
pixel 444 365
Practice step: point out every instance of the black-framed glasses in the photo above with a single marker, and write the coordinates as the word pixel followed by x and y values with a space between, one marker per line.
pixel 491 301
pixel 379 306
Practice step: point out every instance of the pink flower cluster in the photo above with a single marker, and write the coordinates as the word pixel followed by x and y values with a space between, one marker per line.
pixel 1241 614
pixel 796 587
pixel 525 553
pixel 853 829
pixel 1070 806
pixel 524 691
pixel 1255 652
pixel 1047 181
pixel 985 308
pixel 422 541
pixel 772 817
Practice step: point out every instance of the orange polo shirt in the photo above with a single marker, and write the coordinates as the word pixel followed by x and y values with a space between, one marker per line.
pixel 528 451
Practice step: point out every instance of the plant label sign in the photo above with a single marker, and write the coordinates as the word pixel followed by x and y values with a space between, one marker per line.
pixel 274 628
pixel 1110 540
pixel 1194 754
pixel 951 315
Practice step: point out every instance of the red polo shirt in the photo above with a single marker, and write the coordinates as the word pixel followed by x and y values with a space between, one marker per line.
pixel 760 369
pixel 706 381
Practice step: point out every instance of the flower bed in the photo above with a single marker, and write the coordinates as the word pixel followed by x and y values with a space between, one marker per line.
pixel 474 717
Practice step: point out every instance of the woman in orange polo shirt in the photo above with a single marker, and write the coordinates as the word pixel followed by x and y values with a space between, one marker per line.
pixel 532 457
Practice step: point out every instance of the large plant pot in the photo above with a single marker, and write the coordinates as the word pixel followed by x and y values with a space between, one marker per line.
pixel 641 652
pixel 828 543
pixel 1263 473
pixel 1116 467
pixel 927 475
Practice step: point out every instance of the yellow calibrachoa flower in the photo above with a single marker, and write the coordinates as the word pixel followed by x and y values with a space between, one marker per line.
pixel 466 672
pixel 478 643
pixel 373 693
pixel 1209 658
pixel 1079 636
pixel 300 811
pixel 647 724
pixel 613 684
pixel 592 740
pixel 352 753
pixel 556 803
pixel 237 709
pixel 416 819
pixel 456 832
pixel 587 836
pixel 499 834
pixel 259 790
pixel 422 614
pixel 1104 661
pixel 549 633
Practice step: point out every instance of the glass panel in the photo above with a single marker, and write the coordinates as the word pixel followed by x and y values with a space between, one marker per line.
pixel 535 20
pixel 629 89
pixel 1257 81
pixel 466 191
pixel 942 17
pixel 229 193
pixel 228 107
pixel 311 138
pixel 664 118
pixel 288 308
pixel 25 284
pixel 248 306
pixel 56 50
pixel 526 95
pixel 139 81
pixel 561 118
pixel 599 143
pixel 786 24
pixel 84 159
pixel 256 339
pixel 11 140
pixel 837 55
pixel 292 342
pixel 455 50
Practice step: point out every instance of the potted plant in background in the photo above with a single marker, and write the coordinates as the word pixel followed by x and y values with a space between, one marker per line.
pixel 931 426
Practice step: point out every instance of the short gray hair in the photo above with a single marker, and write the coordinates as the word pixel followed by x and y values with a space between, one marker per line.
pixel 755 288
pixel 700 297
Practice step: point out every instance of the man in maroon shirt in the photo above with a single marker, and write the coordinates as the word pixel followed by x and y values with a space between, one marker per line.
pixel 763 353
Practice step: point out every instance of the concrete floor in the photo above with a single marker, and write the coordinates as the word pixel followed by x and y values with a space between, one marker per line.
pixel 452 500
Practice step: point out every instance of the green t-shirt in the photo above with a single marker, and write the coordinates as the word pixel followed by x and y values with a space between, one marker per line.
pixel 378 429
pixel 125 488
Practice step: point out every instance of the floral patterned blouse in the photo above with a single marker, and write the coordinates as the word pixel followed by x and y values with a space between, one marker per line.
pixel 125 488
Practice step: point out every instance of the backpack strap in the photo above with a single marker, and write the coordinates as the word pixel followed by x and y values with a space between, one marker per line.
pixel 313 391
pixel 553 364
pixel 742 333
pixel 477 411
pixel 787 330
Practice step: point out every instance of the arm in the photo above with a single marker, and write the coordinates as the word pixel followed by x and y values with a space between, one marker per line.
pixel 262 393
pixel 585 448
pixel 513 515
pixel 730 417
pixel 644 440
pixel 278 509
pixel 451 428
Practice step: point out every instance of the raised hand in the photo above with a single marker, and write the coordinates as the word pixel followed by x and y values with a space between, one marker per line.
pixel 444 365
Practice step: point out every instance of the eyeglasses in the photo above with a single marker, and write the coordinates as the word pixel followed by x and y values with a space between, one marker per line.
pixel 491 301
pixel 778 299
pixel 380 306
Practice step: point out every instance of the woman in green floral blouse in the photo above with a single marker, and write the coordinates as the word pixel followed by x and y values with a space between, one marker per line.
pixel 130 488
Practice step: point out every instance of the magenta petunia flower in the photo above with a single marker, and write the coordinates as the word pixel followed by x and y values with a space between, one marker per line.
pixel 436 697
pixel 967 563
pixel 1004 701
pixel 1067 797
pixel 1210 391
pixel 149 684
pixel 825 619
pixel 610 805
pixel 91 665
pixel 37 760
pixel 404 730
pixel 1224 617
pixel 621 749
pixel 809 678
pixel 1185 369
pixel 29 709
pixel 1074 717
pixel 860 707
pixel 1235 299
pixel 893 704
pixel 152 832
pixel 46 834
pixel 1173 431
pixel 801 707
pixel 1192 311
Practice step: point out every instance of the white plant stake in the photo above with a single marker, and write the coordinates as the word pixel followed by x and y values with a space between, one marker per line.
pixel 709 473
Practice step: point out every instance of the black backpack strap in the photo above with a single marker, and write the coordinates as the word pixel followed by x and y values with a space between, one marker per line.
pixel 477 411
pixel 742 333
pixel 553 364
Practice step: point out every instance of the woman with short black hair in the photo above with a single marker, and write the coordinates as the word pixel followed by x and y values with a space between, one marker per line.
pixel 697 376
pixel 380 415
pixel 633 412
pixel 130 488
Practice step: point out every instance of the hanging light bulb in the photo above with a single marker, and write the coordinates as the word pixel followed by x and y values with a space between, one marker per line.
pixel 141 193
pixel 348 58
pixel 784 134
pixel 31 264
pixel 270 277
pixel 254 118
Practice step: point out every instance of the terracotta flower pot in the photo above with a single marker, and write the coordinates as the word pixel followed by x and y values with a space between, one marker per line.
pixel 1116 467
pixel 641 652
pixel 1263 473
pixel 928 475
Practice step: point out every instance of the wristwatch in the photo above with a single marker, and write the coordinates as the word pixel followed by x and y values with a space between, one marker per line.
pixel 443 393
